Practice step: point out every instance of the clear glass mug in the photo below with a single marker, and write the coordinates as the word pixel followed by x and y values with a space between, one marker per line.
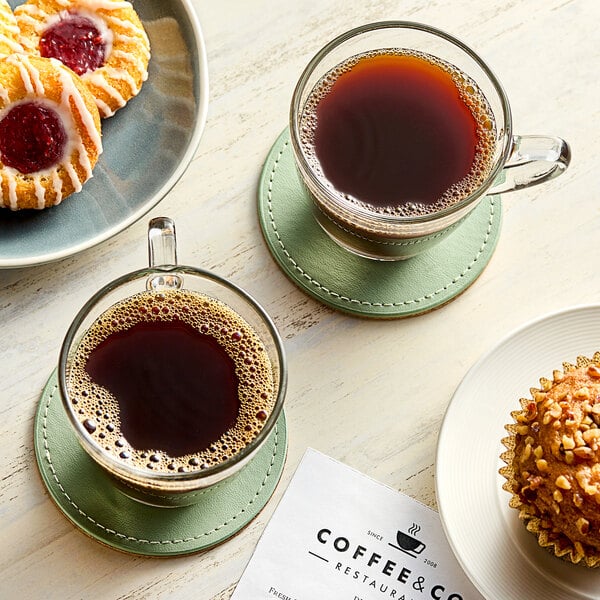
pixel 517 161
pixel 164 275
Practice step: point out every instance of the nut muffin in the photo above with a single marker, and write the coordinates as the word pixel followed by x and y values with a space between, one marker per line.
pixel 553 462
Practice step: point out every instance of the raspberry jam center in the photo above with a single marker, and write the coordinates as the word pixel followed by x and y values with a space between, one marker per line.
pixel 32 138
pixel 76 42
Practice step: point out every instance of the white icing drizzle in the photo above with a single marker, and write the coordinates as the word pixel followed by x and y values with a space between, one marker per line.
pixel 9 27
pixel 32 16
pixel 105 109
pixel 138 62
pixel 123 24
pixel 103 4
pixel 124 75
pixel 12 190
pixel 29 75
pixel 99 80
pixel 71 93
pixel 11 43
pixel 40 191
pixel 9 30
pixel 57 186
pixel 72 173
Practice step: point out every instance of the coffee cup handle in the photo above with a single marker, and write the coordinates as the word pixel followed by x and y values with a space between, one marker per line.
pixel 162 254
pixel 533 159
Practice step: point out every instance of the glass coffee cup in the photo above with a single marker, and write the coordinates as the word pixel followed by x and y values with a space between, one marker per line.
pixel 172 377
pixel 399 130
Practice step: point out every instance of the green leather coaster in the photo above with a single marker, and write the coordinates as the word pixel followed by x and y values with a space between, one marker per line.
pixel 88 498
pixel 359 285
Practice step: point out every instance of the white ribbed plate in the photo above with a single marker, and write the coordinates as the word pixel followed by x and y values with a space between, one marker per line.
pixel 500 556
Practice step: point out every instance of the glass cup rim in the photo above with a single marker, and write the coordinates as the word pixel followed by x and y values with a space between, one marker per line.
pixel 157 477
pixel 385 219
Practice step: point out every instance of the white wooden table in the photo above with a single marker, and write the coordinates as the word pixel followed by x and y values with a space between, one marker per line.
pixel 369 393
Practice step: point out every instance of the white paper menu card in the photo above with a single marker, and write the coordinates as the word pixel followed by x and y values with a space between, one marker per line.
pixel 339 535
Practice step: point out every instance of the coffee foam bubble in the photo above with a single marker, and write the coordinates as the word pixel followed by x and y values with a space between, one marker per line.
pixel 471 95
pixel 98 410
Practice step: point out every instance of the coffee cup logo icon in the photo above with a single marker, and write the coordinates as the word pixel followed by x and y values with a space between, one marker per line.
pixel 407 543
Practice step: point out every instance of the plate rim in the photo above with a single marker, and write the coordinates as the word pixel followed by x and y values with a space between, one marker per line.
pixel 515 332
pixel 201 114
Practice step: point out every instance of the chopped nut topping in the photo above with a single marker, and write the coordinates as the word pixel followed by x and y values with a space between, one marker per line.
pixel 531 412
pixel 593 371
pixel 555 411
pixel 542 465
pixel 577 500
pixel 558 376
pixel 582 392
pixel 563 483
pixel 568 442
pixel 526 453
pixel 538 452
pixel 583 526
pixel 569 457
pixel 522 429
pixel 583 452
pixel 555 448
pixel 586 486
pixel 591 435
pixel 535 482
pixel 557 495
pixel 583 477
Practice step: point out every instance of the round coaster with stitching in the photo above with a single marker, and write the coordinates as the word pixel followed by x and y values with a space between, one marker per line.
pixel 361 286
pixel 87 497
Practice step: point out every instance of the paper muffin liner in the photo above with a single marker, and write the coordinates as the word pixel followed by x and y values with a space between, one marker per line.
pixel 548 536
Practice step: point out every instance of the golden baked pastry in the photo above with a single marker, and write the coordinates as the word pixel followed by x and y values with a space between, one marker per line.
pixel 9 30
pixel 553 462
pixel 103 41
pixel 50 136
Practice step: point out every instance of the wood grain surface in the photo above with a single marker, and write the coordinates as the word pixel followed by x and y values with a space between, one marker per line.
pixel 369 393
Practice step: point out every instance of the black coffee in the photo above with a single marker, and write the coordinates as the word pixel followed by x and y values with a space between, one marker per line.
pixel 399 132
pixel 171 381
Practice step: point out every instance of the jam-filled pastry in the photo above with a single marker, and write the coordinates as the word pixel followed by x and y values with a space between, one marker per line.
pixel 9 30
pixel 50 136
pixel 103 41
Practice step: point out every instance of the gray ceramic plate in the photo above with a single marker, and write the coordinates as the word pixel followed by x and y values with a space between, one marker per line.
pixel 147 146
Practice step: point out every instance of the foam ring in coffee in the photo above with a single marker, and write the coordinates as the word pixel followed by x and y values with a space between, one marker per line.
pixel 470 95
pixel 208 321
